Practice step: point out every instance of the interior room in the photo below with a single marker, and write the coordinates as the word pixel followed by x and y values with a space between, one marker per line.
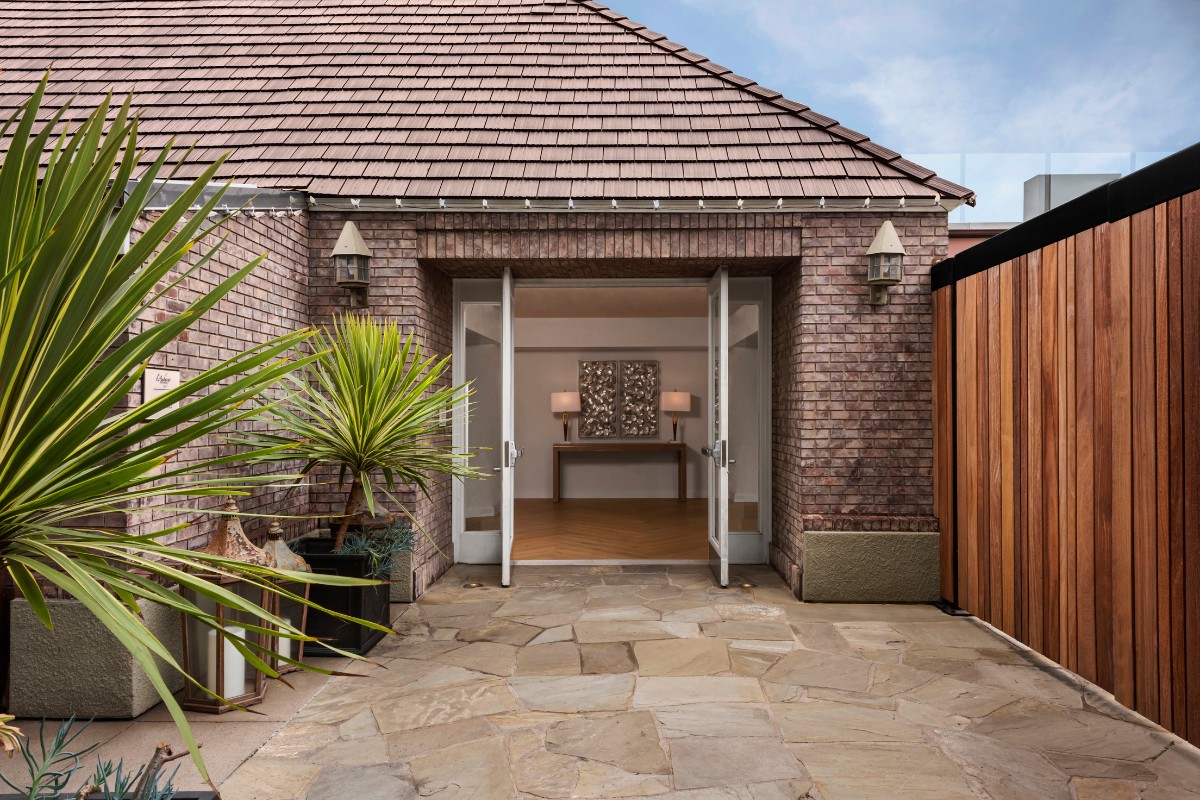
pixel 615 361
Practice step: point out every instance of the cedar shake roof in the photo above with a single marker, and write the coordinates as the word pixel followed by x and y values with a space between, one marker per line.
pixel 444 98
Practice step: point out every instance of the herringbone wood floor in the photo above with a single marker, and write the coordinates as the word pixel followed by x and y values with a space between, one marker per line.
pixel 615 529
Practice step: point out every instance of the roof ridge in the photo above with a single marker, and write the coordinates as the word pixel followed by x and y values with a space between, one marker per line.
pixel 860 140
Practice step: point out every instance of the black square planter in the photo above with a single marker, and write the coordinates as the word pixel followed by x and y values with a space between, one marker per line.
pixel 371 603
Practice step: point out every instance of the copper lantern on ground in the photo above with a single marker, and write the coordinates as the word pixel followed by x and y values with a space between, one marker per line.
pixel 208 656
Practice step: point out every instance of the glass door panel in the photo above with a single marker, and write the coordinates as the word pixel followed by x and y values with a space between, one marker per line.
pixel 718 450
pixel 509 450
pixel 745 414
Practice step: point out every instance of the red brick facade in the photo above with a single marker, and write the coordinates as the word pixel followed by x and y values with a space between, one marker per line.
pixel 852 434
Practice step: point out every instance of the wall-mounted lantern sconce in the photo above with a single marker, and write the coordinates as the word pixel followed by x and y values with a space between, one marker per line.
pixel 352 263
pixel 885 263
pixel 565 403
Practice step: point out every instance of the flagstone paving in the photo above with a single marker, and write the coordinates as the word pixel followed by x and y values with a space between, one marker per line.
pixel 610 682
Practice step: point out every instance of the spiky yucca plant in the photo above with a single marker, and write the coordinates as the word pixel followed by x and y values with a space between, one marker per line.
pixel 372 405
pixel 69 357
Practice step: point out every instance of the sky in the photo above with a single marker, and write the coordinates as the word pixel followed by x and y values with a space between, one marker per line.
pixel 986 92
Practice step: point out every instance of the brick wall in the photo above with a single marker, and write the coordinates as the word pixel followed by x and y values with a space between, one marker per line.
pixel 271 301
pixel 852 437
pixel 420 298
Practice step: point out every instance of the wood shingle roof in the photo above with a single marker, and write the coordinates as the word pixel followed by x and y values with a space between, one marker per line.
pixel 444 98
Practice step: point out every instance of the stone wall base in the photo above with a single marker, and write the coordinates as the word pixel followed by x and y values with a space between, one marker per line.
pixel 79 668
pixel 786 567
pixel 870 567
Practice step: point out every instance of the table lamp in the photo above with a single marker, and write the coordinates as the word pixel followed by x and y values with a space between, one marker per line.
pixel 565 403
pixel 675 402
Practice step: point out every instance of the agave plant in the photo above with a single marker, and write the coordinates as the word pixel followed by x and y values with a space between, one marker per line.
pixel 373 405
pixel 69 356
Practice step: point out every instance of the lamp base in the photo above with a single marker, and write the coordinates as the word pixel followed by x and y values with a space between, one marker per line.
pixel 566 428
pixel 674 425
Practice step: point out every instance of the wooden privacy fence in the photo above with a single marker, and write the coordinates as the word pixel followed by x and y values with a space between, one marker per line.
pixel 1067 436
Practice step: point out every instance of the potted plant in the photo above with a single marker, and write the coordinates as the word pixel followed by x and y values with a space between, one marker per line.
pixel 52 766
pixel 373 406
pixel 80 320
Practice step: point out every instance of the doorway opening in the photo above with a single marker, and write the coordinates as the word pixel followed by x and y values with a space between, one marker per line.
pixel 630 480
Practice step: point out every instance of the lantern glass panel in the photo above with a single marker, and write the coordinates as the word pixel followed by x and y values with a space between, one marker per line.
pixel 213 660
pixel 294 613
pixel 353 270
pixel 885 268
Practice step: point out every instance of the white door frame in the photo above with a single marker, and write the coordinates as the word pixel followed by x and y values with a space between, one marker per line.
pixel 747 548
pixel 718 425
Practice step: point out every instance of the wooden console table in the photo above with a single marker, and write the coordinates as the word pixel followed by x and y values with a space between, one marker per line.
pixel 635 448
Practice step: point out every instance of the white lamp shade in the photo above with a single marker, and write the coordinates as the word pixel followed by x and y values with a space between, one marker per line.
pixel 564 402
pixel 676 401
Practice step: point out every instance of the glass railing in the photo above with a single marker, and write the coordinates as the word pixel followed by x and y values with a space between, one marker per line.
pixel 999 179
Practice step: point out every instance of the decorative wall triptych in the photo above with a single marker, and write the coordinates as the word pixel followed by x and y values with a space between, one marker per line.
pixel 618 398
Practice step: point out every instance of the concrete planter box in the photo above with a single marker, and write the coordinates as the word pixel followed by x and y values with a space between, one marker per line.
pixel 870 567
pixel 79 668
pixel 402 578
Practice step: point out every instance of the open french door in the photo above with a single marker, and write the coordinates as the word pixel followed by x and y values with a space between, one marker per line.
pixel 718 402
pixel 509 452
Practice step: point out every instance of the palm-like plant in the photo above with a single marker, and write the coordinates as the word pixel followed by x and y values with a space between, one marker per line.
pixel 69 356
pixel 372 405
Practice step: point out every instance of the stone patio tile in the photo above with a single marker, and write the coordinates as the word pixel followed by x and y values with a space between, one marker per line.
pixel 811 668
pixel 659 592
pixel 264 778
pixel 605 782
pixel 655 577
pixel 476 770
pixel 563 633
pixel 866 637
pixel 770 629
pixel 653 692
pixel 674 657
pixel 751 663
pixel 559 658
pixel 1104 789
pixel 618 612
pixel 748 611
pixel 628 631
pixel 700 761
pixel 1041 726
pixel 577 693
pixel 1179 765
pixel 493 658
pixel 606 658
pixel 532 602
pixel 502 631
pixel 863 612
pixel 377 782
pixel 422 650
pixel 299 740
pixel 406 744
pixel 1052 685
pixel 704 613
pixel 1005 772
pixel 545 621
pixel 824 637
pixel 893 679
pixel 960 632
pixel 958 697
pixel 717 720
pixel 1108 768
pixel 871 771
pixel 546 775
pixel 824 721
pixel 441 706
pixel 626 740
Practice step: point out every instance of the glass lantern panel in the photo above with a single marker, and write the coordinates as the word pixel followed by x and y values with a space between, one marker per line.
pixel 240 674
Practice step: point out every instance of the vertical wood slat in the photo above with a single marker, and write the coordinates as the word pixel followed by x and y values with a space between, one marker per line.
pixel 1143 466
pixel 1077 464
pixel 1190 228
pixel 1085 470
pixel 1119 464
pixel 943 437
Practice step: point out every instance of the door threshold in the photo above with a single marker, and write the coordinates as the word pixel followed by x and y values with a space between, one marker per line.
pixel 609 562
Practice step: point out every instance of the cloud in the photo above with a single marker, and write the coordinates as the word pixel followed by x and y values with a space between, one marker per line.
pixel 1007 76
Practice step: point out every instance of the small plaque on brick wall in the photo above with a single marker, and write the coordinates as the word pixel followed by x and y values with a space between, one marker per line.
pixel 156 383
